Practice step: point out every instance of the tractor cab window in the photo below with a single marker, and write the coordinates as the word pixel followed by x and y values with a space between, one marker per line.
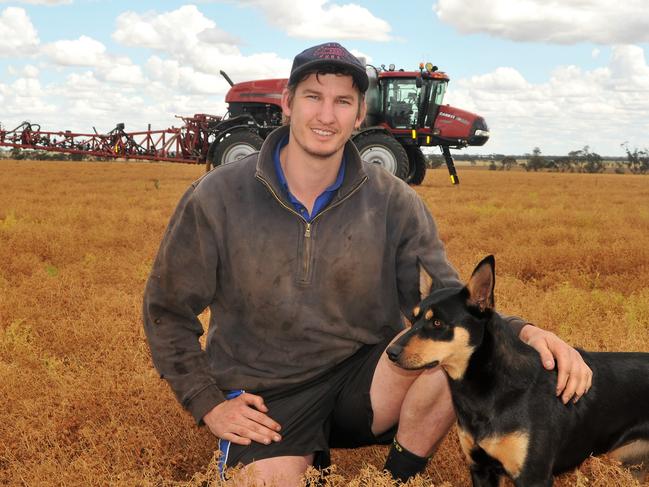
pixel 401 102
pixel 436 96
pixel 440 90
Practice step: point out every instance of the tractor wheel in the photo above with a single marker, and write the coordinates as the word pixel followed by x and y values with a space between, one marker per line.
pixel 417 165
pixel 384 150
pixel 233 147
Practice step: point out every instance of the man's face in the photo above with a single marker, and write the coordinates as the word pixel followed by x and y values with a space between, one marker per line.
pixel 324 112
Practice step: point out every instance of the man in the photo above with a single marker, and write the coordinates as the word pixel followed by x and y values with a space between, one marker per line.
pixel 308 259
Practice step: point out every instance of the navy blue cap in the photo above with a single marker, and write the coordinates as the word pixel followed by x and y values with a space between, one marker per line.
pixel 329 54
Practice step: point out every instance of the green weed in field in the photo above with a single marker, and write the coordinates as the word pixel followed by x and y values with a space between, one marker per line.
pixel 8 221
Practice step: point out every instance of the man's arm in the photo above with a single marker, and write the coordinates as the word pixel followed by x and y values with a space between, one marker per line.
pixel 181 285
pixel 421 243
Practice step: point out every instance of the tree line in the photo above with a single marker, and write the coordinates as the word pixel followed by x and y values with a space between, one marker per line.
pixel 584 161
pixel 18 154
pixel 578 161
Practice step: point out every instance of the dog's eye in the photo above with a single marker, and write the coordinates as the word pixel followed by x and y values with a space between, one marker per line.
pixel 437 323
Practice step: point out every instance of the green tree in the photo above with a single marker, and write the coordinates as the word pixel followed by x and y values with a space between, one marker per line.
pixel 507 162
pixel 534 161
pixel 637 160
pixel 587 161
pixel 568 163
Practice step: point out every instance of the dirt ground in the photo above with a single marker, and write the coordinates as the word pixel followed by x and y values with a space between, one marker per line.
pixel 81 401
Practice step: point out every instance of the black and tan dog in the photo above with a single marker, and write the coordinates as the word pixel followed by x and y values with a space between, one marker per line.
pixel 510 422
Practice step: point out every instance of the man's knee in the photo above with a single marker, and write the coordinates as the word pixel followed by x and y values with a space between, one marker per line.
pixel 277 471
pixel 389 388
pixel 430 397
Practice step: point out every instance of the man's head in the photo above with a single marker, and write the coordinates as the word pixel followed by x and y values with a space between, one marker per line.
pixel 324 99
pixel 328 58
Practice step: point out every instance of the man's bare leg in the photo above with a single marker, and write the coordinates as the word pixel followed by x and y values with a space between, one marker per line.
pixel 420 400
pixel 274 472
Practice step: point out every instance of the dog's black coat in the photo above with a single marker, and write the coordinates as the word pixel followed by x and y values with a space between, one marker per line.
pixel 504 390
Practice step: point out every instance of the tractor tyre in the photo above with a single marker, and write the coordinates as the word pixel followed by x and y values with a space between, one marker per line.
pixel 233 147
pixel 417 165
pixel 384 150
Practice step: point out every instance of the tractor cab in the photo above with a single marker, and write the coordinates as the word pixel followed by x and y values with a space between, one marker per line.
pixel 412 100
pixel 405 99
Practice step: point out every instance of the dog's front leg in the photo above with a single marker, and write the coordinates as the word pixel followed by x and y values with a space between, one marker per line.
pixel 484 476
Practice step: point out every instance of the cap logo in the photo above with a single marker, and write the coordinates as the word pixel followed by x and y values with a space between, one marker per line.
pixel 330 52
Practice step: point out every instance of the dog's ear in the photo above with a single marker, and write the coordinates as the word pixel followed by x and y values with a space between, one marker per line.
pixel 482 282
pixel 425 282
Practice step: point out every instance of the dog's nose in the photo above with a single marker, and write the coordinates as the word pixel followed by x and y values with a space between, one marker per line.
pixel 394 351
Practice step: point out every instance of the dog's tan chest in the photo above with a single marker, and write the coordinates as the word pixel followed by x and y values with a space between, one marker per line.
pixel 509 449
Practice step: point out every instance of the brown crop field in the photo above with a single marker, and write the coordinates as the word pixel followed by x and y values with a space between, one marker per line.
pixel 81 403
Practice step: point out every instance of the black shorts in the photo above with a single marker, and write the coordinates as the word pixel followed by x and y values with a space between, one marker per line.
pixel 331 411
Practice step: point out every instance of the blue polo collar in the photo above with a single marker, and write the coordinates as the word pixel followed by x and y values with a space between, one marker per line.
pixel 322 200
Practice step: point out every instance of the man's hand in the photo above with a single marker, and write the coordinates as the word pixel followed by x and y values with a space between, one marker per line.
pixel 242 420
pixel 574 376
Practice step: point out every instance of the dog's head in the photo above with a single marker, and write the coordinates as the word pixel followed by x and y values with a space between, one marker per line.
pixel 448 324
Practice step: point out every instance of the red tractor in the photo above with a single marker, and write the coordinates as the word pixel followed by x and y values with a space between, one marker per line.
pixel 404 113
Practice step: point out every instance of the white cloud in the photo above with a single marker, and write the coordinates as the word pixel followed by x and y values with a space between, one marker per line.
pixel 26 87
pixel 122 73
pixel 84 51
pixel 40 2
pixel 321 19
pixel 17 33
pixel 27 71
pixel 30 71
pixel 24 99
pixel 192 40
pixel 566 22
pixel 601 108
pixel 629 69
pixel 165 71
pixel 88 52
pixel 240 67
pixel 175 31
pixel 184 78
pixel 502 79
pixel 214 35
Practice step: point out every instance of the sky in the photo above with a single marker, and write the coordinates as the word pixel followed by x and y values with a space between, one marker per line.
pixel 558 75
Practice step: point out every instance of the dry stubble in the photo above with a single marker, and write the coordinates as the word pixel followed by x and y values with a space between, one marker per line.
pixel 82 403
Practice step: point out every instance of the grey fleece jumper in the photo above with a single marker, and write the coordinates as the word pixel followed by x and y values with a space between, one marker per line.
pixel 288 299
